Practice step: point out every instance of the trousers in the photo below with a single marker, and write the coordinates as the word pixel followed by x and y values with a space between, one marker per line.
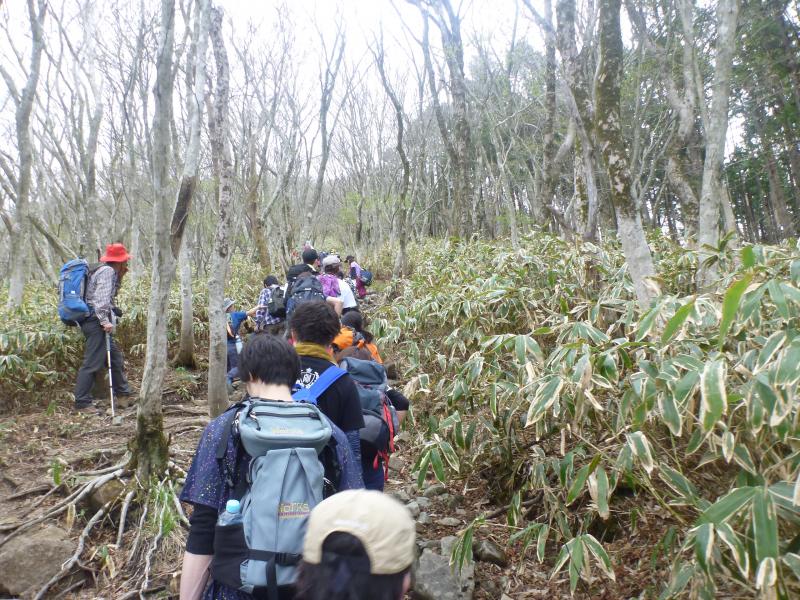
pixel 94 360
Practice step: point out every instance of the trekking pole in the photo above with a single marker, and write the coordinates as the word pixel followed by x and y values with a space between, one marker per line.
pixel 110 381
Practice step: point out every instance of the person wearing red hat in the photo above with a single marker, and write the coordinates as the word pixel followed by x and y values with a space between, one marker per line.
pixel 101 290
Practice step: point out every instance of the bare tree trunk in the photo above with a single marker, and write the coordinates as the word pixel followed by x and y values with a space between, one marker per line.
pixel 716 128
pixel 150 446
pixel 24 103
pixel 220 256
pixel 185 356
pixel 608 129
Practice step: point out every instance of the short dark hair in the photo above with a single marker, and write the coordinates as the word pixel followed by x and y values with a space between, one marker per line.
pixel 320 582
pixel 315 322
pixel 353 319
pixel 350 258
pixel 270 280
pixel 309 256
pixel 269 359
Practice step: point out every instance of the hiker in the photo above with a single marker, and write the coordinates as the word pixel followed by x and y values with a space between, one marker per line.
pixel 383 410
pixel 353 333
pixel 313 326
pixel 265 319
pixel 329 277
pixel 355 274
pixel 309 265
pixel 270 367
pixel 359 545
pixel 348 293
pixel 234 320
pixel 101 290
pixel 300 288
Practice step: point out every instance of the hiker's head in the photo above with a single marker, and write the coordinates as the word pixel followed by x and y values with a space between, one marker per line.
pixel 270 280
pixel 227 305
pixel 331 264
pixel 116 257
pixel 315 322
pixel 310 256
pixel 354 320
pixel 359 544
pixel 350 258
pixel 269 359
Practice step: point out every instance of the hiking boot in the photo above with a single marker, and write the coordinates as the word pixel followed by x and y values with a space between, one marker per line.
pixel 125 392
pixel 85 408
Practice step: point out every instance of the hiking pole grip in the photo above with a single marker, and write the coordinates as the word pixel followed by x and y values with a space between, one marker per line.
pixel 110 380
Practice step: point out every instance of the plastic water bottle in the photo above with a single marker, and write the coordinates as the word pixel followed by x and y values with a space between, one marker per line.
pixel 232 514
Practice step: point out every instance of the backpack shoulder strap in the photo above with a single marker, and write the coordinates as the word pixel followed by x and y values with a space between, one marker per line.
pixel 330 376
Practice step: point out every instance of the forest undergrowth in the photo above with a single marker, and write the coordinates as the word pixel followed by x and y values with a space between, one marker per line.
pixel 653 453
pixel 632 454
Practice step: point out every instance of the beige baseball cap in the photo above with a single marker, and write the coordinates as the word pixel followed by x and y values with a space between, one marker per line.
pixel 382 525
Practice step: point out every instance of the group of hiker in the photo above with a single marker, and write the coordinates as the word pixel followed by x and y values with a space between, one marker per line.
pixel 286 484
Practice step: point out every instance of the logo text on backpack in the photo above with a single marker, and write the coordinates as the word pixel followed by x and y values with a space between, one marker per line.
pixel 293 510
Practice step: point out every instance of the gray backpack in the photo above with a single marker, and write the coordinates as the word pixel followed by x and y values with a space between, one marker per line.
pixel 284 482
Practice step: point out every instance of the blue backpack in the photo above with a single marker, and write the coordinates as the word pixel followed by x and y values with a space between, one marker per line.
pixel 366 277
pixel 305 289
pixel 72 283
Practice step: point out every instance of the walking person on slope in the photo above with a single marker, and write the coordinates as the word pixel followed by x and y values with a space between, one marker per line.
pixel 264 320
pixel 313 326
pixel 224 469
pixel 101 290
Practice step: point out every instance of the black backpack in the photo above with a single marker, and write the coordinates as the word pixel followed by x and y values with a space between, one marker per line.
pixel 305 289
pixel 276 307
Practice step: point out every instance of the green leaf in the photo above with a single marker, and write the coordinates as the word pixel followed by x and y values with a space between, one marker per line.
pixel 436 464
pixel 727 506
pixel 576 562
pixel 714 399
pixel 748 257
pixel 641 449
pixel 765 526
pixel 676 322
pixel 730 306
pixel 792 560
pixel 776 293
pixel 546 395
pixel 736 546
pixel 678 482
pixel 670 413
pixel 703 543
pixel 600 555
pixel 599 491
pixel 423 469
pixel 685 387
pixel 788 368
pixel 771 347
pixel 577 484
pixel 541 542
pixel 646 323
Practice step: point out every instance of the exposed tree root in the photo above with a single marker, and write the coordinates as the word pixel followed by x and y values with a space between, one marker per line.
pixel 66 568
pixel 34 490
pixel 135 567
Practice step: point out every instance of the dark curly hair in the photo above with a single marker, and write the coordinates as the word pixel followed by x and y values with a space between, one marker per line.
pixel 314 322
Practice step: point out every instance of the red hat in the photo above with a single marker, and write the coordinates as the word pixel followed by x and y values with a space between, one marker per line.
pixel 115 253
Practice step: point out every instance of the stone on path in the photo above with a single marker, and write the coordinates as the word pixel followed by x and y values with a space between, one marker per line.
pixel 424 518
pixel 434 580
pixel 29 561
pixel 424 502
pixel 437 489
pixel 488 551
pixel 413 508
pixel 449 522
pixel 396 463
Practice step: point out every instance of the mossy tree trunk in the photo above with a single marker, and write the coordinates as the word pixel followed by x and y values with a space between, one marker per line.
pixel 612 145
pixel 149 445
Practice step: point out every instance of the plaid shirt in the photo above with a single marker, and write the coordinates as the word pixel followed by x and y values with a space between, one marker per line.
pixel 263 318
pixel 101 291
